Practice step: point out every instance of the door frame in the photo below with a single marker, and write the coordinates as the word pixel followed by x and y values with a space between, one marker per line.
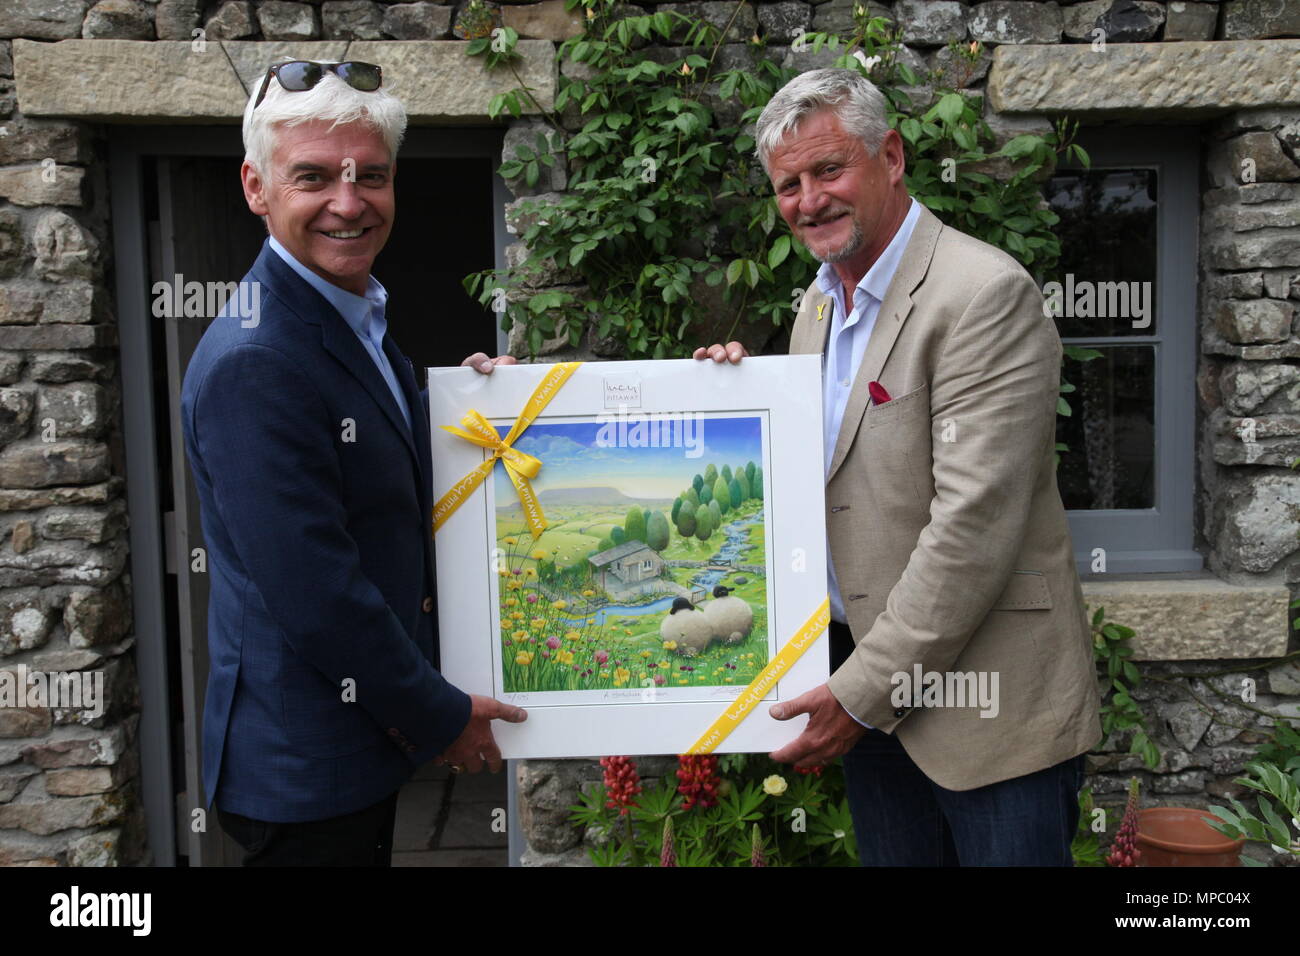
pixel 150 540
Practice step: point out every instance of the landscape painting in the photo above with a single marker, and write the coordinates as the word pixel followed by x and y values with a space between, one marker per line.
pixel 652 574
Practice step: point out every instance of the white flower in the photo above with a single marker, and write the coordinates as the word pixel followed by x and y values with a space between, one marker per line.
pixel 867 62
pixel 839 834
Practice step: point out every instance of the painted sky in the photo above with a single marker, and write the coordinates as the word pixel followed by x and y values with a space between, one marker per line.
pixel 572 455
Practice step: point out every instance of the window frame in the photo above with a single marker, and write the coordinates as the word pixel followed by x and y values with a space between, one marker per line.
pixel 1158 539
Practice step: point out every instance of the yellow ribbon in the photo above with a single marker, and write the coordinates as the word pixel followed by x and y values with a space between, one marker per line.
pixel 750 697
pixel 519 466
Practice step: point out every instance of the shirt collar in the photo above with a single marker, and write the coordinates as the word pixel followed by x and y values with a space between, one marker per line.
pixel 881 274
pixel 363 314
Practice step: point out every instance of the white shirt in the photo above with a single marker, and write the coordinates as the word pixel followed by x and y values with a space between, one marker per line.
pixel 845 345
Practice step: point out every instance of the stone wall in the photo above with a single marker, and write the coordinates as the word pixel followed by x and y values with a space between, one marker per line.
pixel 67 778
pixel 69 783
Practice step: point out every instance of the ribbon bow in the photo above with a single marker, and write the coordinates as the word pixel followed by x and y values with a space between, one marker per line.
pixel 519 465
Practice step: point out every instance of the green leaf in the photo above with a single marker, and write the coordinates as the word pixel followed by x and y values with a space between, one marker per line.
pixel 1020 146
pixel 779 251
pixel 950 107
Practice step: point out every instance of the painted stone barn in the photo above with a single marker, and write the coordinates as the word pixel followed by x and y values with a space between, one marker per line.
pixel 627 570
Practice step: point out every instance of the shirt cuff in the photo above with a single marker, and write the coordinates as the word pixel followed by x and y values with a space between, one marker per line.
pixel 862 722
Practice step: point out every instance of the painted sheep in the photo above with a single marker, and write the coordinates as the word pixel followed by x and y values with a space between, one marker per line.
pixel 730 618
pixel 688 627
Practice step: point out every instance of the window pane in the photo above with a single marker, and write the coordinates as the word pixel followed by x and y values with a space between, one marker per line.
pixel 1111 430
pixel 1107 271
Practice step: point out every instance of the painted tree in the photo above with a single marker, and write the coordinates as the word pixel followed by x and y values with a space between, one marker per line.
pixel 686 519
pixel 742 481
pixel 677 506
pixel 722 495
pixel 696 483
pixel 604 544
pixel 710 475
pixel 736 496
pixel 692 495
pixel 656 530
pixel 726 473
pixel 617 534
pixel 749 473
pixel 704 524
pixel 756 489
pixel 634 524
pixel 706 494
pixel 715 514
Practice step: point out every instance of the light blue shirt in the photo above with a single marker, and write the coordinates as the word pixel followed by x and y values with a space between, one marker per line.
pixel 846 343
pixel 364 316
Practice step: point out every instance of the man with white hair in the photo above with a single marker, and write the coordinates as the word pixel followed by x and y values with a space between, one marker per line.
pixel 951 571
pixel 309 444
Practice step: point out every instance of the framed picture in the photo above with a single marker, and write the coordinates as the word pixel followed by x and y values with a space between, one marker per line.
pixel 660 541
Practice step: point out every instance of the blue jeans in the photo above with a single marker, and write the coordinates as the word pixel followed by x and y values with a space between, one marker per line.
pixel 902 818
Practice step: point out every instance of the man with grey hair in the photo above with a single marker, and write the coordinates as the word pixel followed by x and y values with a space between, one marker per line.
pixel 309 444
pixel 950 564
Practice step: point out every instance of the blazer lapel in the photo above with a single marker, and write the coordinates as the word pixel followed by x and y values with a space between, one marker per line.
pixel 894 310
pixel 337 337
pixel 341 342
pixel 811 325
pixel 419 419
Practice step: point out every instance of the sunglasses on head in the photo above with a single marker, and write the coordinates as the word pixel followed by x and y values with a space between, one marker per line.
pixel 297 76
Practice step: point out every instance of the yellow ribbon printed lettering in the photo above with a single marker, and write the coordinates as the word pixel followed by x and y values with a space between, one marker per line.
pixel 741 707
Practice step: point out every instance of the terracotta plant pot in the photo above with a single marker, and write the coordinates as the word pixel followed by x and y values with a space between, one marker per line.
pixel 1178 836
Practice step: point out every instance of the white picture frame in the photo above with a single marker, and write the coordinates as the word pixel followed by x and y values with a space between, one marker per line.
pixel 679 403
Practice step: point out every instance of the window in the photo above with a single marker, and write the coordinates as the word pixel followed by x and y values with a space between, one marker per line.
pixel 1126 288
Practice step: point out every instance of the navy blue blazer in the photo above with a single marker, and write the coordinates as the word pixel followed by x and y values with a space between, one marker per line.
pixel 323 694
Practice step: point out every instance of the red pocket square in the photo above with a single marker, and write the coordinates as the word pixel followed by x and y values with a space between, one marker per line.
pixel 878 394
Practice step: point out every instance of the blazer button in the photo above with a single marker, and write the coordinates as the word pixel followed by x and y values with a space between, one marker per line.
pixel 899 713
pixel 427 605
pixel 393 732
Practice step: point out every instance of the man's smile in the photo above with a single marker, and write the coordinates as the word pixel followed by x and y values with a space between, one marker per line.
pixel 346 235
pixel 814 226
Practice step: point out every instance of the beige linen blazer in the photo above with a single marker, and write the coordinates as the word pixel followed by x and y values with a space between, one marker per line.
pixel 945 524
